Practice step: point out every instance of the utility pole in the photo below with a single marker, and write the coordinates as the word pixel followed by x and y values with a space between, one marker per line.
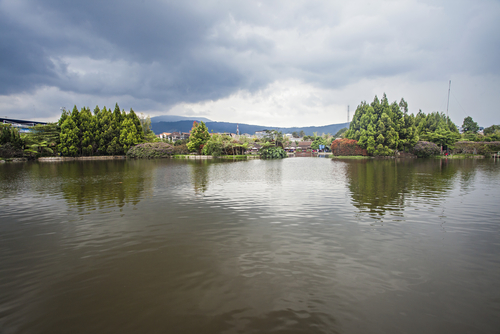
pixel 347 113
pixel 448 104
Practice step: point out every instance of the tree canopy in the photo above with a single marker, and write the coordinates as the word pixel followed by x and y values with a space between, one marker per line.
pixel 381 127
pixel 198 137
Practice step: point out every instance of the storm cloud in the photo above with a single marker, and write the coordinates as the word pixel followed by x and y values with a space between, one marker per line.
pixel 276 62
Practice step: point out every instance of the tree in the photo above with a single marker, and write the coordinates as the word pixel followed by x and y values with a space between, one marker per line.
pixel 145 121
pixel 491 130
pixel 198 137
pixel 340 133
pixel 317 142
pixel 302 133
pixel 69 138
pixel 469 125
pixel 295 134
pixel 129 136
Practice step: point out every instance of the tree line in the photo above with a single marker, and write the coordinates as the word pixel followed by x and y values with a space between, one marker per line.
pixel 383 128
pixel 80 133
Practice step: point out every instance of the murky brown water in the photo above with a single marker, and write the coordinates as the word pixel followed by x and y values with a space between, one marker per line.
pixel 302 245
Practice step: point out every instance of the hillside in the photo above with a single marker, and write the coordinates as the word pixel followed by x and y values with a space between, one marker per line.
pixel 174 118
pixel 186 125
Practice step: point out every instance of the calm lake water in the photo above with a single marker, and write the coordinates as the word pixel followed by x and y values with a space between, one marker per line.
pixel 301 245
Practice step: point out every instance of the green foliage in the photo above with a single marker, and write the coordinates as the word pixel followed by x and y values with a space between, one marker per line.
pixel 272 152
pixel 469 125
pixel 467 147
pixel 148 134
pixel 340 133
pixel 69 141
pixel 223 144
pixel 101 133
pixel 381 127
pixel 150 151
pixel 491 130
pixel 319 141
pixel 441 137
pixel 10 135
pixel 214 146
pixel 198 137
pixel 432 122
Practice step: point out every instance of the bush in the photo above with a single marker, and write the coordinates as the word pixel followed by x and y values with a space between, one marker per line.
pixel 151 151
pixel 272 152
pixel 9 151
pixel 181 149
pixel 347 147
pixel 469 147
pixel 425 149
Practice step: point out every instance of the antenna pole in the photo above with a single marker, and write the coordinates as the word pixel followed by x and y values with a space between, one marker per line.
pixel 347 113
pixel 448 104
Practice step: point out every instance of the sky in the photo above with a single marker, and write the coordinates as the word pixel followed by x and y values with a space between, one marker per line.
pixel 276 63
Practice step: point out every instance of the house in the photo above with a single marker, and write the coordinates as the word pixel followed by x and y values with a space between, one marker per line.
pixel 165 135
pixel 304 145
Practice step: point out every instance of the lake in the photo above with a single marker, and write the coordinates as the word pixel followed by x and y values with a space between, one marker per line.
pixel 300 245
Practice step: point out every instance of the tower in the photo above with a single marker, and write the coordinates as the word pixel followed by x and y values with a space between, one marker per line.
pixel 237 129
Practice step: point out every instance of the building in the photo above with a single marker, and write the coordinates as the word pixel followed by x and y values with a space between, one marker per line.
pixel 23 126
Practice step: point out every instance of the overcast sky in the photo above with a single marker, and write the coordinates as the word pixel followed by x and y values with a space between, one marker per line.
pixel 277 63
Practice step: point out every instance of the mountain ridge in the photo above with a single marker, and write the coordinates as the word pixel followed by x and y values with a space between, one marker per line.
pixel 186 125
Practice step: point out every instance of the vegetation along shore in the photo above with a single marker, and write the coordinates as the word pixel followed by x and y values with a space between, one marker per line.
pixel 378 129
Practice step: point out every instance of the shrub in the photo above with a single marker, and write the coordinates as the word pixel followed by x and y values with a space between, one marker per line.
pixel 151 151
pixel 469 147
pixel 424 149
pixel 347 147
pixel 272 152
pixel 181 149
pixel 9 151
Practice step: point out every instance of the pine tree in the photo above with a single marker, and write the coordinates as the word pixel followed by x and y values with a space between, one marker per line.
pixel 69 138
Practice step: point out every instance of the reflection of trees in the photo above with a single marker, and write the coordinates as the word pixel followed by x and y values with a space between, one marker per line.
pixel 103 183
pixel 273 171
pixel 199 175
pixel 380 185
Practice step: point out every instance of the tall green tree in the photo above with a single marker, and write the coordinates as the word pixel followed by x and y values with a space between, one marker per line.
pixel 69 141
pixel 130 134
pixel 469 126
pixel 87 133
pixel 198 137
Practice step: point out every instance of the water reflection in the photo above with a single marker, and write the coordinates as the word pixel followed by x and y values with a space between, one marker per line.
pixel 379 186
pixel 100 185
pixel 199 175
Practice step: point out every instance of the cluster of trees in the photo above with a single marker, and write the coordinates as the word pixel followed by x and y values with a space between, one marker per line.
pixel 381 127
pixel 102 133
pixel 437 128
pixel 79 133
pixel 11 142
pixel 272 145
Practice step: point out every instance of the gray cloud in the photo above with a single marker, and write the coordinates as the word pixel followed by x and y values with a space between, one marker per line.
pixel 161 53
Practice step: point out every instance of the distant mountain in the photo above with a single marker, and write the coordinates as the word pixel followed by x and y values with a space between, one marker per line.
pixel 186 125
pixel 173 118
